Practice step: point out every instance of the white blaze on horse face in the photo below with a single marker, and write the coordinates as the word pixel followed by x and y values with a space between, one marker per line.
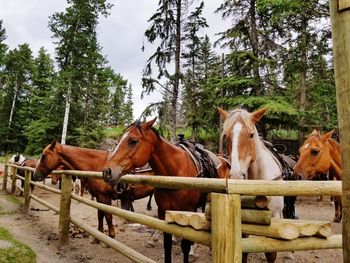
pixel 235 165
pixel 120 142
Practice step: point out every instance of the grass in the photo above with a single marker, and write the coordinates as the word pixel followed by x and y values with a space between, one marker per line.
pixel 18 252
pixel 114 132
pixel 13 199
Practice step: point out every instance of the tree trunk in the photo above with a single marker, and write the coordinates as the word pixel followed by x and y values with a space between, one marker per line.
pixel 302 101
pixel 221 142
pixel 254 39
pixel 340 21
pixel 13 104
pixel 177 74
pixel 66 115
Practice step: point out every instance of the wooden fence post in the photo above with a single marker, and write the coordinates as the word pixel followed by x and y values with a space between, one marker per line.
pixel 4 179
pixel 14 178
pixel 226 233
pixel 340 22
pixel 27 190
pixel 64 214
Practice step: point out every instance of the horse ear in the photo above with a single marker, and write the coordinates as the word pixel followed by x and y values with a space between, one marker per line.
pixel 327 136
pixel 314 132
pixel 149 124
pixel 53 144
pixel 223 113
pixel 258 114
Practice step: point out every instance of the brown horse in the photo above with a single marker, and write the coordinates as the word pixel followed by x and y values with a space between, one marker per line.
pixel 249 156
pixel 320 154
pixel 76 158
pixel 140 144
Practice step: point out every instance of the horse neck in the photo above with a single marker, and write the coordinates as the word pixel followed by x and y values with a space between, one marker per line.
pixel 265 166
pixel 336 165
pixel 168 159
pixel 82 159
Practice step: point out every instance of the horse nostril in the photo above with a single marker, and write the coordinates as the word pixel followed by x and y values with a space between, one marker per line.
pixel 107 174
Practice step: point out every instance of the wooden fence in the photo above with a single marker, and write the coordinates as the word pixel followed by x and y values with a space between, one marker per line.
pixel 224 238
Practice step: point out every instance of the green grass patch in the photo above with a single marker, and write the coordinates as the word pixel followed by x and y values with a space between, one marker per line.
pixel 17 252
pixel 13 199
pixel 114 132
pixel 283 134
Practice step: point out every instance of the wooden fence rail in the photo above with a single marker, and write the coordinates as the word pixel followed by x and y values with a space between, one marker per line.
pixel 225 236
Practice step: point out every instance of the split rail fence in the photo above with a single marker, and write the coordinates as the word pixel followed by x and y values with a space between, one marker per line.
pixel 225 234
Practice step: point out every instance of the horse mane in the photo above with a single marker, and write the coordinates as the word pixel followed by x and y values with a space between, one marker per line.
pixel 234 116
pixel 138 124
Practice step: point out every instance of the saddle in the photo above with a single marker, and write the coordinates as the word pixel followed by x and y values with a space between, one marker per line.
pixel 286 161
pixel 206 162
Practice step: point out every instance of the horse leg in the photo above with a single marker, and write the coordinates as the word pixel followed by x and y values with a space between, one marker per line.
pixel 193 256
pixel 271 257
pixel 149 205
pixel 22 186
pixel 109 220
pixel 186 247
pixel 167 247
pixel 338 209
pixel 100 215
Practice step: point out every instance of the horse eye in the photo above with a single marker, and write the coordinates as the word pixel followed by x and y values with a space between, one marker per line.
pixel 251 135
pixel 132 142
pixel 314 152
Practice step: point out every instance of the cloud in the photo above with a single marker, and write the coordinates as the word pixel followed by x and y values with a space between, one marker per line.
pixel 120 34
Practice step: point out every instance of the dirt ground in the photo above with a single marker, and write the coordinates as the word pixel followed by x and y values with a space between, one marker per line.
pixel 39 230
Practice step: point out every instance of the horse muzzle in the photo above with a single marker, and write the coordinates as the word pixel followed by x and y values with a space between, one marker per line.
pixel 112 176
pixel 38 177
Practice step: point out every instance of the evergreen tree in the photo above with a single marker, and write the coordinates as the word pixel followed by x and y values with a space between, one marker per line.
pixel 81 67
pixel 117 108
pixel 166 25
pixel 128 112
pixel 45 121
pixel 17 95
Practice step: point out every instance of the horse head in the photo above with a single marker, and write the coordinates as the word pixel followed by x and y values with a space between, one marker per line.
pixel 315 157
pixel 17 158
pixel 133 150
pixel 48 162
pixel 241 139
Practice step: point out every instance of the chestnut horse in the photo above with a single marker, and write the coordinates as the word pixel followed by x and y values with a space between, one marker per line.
pixel 84 159
pixel 250 159
pixel 141 144
pixel 320 154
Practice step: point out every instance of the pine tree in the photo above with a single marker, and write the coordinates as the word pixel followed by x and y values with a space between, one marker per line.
pixel 81 67
pixel 45 120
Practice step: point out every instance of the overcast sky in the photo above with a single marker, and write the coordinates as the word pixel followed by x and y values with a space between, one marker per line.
pixel 120 34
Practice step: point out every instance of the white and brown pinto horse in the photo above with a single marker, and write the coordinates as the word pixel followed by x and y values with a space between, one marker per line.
pixel 250 159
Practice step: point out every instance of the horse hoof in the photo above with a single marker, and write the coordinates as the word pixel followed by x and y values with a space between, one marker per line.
pixel 337 219
pixel 95 241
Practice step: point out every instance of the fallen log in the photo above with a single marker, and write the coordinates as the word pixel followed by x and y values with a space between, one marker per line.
pixel 255 202
pixel 309 227
pixel 200 222
pixel 275 230
pixel 249 216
